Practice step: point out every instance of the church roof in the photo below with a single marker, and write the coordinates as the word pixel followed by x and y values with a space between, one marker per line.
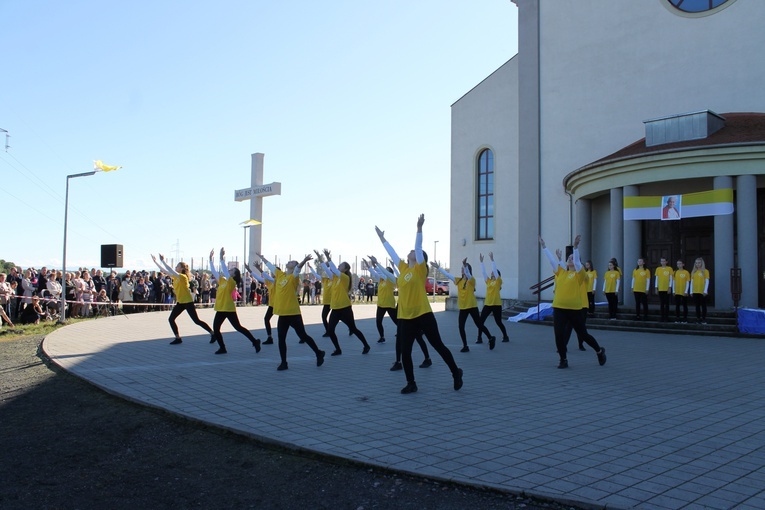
pixel 740 129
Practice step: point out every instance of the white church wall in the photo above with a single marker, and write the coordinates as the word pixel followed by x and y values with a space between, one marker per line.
pixel 607 67
pixel 486 118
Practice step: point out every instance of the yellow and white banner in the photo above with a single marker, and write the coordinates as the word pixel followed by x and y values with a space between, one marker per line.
pixel 674 207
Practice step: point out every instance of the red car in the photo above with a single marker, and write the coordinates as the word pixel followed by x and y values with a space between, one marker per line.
pixel 442 287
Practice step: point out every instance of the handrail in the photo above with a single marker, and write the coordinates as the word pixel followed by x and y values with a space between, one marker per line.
pixel 543 285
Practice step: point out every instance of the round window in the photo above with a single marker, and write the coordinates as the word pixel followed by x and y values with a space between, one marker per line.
pixel 699 6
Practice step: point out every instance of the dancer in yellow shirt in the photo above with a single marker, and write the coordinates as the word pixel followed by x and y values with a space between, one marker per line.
pixel 287 307
pixel 492 303
pixel 414 312
pixel 225 308
pixel 641 281
pixel 183 298
pixel 567 303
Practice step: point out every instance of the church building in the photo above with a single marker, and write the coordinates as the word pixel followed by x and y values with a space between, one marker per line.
pixel 638 124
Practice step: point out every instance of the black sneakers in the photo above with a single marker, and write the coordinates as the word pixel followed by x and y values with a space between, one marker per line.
pixel 269 341
pixel 381 340
pixel 409 388
pixel 320 358
pixel 283 366
pixel 563 363
pixel 425 364
pixel 256 344
pixel 396 366
pixel 465 349
pixel 179 341
pixel 492 342
pixel 602 356
pixel 458 379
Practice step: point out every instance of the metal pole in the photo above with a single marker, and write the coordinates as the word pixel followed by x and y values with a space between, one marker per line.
pixel 244 265
pixel 62 318
pixel 435 273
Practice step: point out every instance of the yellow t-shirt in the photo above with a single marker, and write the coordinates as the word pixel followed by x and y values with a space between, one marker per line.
pixel 412 299
pixel 326 290
pixel 493 286
pixel 682 277
pixel 568 289
pixel 340 297
pixel 270 289
pixel 181 288
pixel 285 300
pixel 610 278
pixel 592 275
pixel 224 302
pixel 385 298
pixel 466 293
pixel 641 277
pixel 663 275
pixel 698 281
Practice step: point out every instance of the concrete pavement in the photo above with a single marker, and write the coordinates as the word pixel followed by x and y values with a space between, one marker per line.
pixel 669 422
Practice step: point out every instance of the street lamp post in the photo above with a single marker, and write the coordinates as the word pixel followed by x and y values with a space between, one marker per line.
pixel 435 273
pixel 244 263
pixel 62 315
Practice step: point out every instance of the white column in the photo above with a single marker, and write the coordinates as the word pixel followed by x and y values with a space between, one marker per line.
pixel 723 250
pixel 256 207
pixel 633 250
pixel 583 226
pixel 746 223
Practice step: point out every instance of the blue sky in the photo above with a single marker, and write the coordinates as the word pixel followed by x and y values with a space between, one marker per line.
pixel 348 100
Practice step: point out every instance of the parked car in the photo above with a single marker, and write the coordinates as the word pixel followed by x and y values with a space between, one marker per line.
pixel 442 287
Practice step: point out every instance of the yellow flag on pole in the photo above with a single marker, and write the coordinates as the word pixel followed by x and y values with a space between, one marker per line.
pixel 99 165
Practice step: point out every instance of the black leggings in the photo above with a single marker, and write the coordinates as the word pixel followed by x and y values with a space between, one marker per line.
pixel 613 302
pixel 267 320
pixel 408 331
pixel 392 313
pixel 283 324
pixel 641 298
pixel 324 314
pixel 220 317
pixel 681 300
pixel 496 311
pixel 345 315
pixel 473 313
pixel 561 318
pixel 178 309
pixel 700 300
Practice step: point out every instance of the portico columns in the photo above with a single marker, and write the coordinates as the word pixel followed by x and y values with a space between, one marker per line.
pixel 746 223
pixel 723 251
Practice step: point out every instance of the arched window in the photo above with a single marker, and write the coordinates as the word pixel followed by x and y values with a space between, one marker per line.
pixel 485 202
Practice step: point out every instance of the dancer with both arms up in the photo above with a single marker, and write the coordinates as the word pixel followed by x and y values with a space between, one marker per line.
pixel 414 312
pixel 467 304
pixel 567 303
pixel 287 307
pixel 225 308
pixel 341 303
pixel 184 301
pixel 492 303
pixel 386 303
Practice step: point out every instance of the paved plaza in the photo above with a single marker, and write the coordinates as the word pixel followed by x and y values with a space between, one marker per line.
pixel 669 422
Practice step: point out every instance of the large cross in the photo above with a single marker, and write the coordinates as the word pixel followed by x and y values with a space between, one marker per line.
pixel 255 195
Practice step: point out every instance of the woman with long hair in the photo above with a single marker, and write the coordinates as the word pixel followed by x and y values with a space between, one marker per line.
pixel 286 306
pixel 700 289
pixel 340 303
pixel 641 281
pixel 414 312
pixel 492 303
pixel 225 308
pixel 267 281
pixel 467 304
pixel 567 303
pixel 611 281
pixel 386 303
pixel 185 301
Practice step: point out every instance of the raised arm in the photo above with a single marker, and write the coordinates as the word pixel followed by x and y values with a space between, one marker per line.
pixel 444 272
pixel 418 240
pixel 223 267
pixel 388 248
pixel 269 265
pixel 212 265
pixel 550 256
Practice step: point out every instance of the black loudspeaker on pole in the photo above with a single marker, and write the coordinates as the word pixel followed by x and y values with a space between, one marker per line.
pixel 111 255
